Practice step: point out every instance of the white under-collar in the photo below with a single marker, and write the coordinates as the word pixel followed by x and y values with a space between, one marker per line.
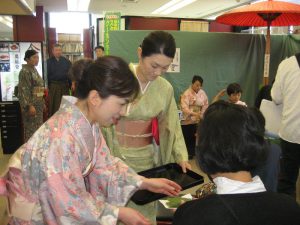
pixel 70 99
pixel 142 90
pixel 228 186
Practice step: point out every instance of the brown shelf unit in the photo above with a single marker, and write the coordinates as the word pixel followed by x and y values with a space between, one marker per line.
pixel 72 46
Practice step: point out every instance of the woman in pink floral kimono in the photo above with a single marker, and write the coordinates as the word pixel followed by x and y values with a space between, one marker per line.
pixel 65 174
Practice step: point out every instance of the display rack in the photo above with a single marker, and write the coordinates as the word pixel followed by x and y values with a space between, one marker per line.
pixel 72 45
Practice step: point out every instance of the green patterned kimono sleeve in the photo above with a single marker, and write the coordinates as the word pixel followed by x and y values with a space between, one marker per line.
pixel 172 143
pixel 24 89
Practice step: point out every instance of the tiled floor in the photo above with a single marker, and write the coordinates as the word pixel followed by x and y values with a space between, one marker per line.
pixel 4 159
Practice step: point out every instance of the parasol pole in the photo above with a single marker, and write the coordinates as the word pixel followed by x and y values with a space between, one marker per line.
pixel 267 55
pixel 268 17
pixel 268 11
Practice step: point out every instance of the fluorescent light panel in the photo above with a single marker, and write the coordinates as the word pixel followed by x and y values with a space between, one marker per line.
pixel 6 21
pixel 25 4
pixel 172 6
pixel 178 6
pixel 8 18
pixel 78 5
pixel 165 6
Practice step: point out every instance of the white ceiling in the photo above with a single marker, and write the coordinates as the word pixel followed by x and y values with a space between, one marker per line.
pixel 198 9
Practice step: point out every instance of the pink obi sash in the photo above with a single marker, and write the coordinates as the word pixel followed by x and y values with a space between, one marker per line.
pixel 134 133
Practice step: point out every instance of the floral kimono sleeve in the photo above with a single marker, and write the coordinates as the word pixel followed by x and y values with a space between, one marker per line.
pixel 184 103
pixel 112 178
pixel 64 196
pixel 205 104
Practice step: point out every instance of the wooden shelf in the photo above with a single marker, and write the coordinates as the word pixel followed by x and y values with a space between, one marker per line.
pixel 73 53
pixel 72 46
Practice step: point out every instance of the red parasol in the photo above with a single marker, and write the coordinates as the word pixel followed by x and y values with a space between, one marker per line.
pixel 264 14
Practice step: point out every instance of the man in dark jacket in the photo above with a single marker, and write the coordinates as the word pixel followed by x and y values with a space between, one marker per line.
pixel 57 72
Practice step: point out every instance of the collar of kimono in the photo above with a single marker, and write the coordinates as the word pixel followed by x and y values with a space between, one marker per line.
pixel 192 90
pixel 133 69
pixel 88 134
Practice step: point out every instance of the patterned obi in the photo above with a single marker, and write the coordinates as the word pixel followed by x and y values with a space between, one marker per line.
pixel 38 91
pixel 19 202
pixel 192 119
pixel 134 133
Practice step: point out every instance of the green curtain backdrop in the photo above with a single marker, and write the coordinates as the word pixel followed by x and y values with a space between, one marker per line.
pixel 282 46
pixel 220 58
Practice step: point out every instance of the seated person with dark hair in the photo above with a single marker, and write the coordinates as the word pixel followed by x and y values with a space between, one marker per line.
pixel 263 93
pixel 231 144
pixel 234 92
pixel 268 171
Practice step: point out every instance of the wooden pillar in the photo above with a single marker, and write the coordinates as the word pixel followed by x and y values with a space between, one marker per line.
pixel 87 43
pixel 29 28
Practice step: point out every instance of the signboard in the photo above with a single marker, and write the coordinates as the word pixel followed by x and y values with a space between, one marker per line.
pixel 175 65
pixel 112 21
pixel 11 60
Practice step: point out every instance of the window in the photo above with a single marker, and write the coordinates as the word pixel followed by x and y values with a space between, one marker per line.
pixel 69 22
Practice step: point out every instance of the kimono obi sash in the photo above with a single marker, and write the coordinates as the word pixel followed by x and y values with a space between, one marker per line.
pixel 134 133
pixel 19 202
pixel 195 108
pixel 192 119
pixel 38 91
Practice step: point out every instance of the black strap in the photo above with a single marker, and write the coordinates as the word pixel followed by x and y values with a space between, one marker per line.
pixel 298 58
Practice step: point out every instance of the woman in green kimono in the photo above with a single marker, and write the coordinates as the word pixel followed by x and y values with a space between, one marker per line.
pixel 30 94
pixel 135 138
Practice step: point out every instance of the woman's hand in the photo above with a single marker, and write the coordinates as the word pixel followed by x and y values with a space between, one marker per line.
pixel 31 111
pixel 161 185
pixel 185 165
pixel 221 93
pixel 130 216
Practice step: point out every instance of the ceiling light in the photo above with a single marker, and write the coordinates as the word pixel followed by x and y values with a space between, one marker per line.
pixel 178 6
pixel 172 6
pixel 8 18
pixel 28 6
pixel 5 21
pixel 165 6
pixel 78 5
pixel 129 1
pixel 25 4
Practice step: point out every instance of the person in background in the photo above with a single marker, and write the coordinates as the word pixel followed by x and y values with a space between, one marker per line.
pixel 133 138
pixel 30 94
pixel 231 144
pixel 264 93
pixel 285 91
pixel 65 173
pixel 193 103
pixel 268 171
pixel 76 71
pixel 296 31
pixel 234 92
pixel 58 83
pixel 99 50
